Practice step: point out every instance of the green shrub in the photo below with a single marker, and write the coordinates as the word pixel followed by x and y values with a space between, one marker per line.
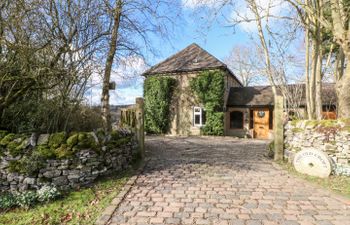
pixel 115 135
pixel 7 139
pixel 118 142
pixel 47 193
pixel 86 140
pixel 32 164
pixel 29 165
pixel 72 140
pixel 7 201
pixel 44 152
pixel 209 87
pixel 16 166
pixel 63 152
pixel 214 124
pixel 158 92
pixel 3 133
pixel 56 139
pixel 17 146
pixel 101 135
pixel 26 199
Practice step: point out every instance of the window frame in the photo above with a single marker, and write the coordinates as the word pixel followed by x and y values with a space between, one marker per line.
pixel 200 114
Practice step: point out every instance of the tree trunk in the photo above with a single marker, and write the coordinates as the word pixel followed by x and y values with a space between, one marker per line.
pixel 106 117
pixel 318 88
pixel 307 75
pixel 343 93
pixel 339 68
pixel 313 78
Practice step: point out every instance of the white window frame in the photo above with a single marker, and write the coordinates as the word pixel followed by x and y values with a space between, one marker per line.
pixel 200 113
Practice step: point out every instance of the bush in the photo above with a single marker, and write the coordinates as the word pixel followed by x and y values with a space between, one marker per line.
pixel 7 201
pixel 56 139
pixel 47 193
pixel 72 140
pixel 17 146
pixel 64 151
pixel 44 152
pixel 32 164
pixel 7 139
pixel 118 142
pixel 16 166
pixel 214 124
pixel 26 199
pixel 86 140
pixel 35 114
pixel 3 133
pixel 29 198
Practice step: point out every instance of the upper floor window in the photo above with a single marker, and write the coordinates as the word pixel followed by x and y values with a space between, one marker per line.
pixel 199 116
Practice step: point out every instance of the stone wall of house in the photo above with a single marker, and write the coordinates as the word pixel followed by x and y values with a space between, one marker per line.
pixel 332 137
pixel 79 170
pixel 181 110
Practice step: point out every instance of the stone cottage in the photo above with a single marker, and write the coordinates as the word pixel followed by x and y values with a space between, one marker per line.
pixel 248 111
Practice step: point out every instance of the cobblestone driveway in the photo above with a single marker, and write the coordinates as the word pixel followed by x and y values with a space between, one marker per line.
pixel 222 181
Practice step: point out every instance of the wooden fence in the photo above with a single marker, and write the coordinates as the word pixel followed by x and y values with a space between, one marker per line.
pixel 133 118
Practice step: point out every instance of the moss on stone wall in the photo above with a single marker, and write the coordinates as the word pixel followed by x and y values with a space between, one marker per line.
pixel 59 146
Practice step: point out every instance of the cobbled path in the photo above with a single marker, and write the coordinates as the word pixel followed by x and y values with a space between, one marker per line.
pixel 222 181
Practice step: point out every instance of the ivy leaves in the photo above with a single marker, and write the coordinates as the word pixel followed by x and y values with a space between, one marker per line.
pixel 209 87
pixel 158 93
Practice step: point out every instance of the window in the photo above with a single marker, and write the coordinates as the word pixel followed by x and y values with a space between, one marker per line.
pixel 236 120
pixel 199 116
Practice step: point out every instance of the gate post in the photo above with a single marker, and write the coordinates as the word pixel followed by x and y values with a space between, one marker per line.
pixel 140 134
pixel 278 128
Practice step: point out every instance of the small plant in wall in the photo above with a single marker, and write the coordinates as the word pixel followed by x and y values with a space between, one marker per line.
pixel 209 87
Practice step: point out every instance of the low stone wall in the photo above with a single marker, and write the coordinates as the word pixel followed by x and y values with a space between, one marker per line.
pixel 331 137
pixel 80 170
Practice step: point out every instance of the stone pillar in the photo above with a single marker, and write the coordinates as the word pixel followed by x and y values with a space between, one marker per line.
pixel 278 128
pixel 140 134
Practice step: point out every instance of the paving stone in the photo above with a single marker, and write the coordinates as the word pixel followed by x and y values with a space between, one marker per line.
pixel 222 181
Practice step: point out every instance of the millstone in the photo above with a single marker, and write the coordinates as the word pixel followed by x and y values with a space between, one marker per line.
pixel 312 162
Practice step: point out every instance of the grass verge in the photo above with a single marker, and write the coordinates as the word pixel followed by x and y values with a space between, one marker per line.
pixel 77 207
pixel 337 184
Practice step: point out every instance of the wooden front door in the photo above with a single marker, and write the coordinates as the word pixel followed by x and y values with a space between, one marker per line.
pixel 261 123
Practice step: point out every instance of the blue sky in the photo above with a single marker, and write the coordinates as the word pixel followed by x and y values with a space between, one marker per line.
pixel 217 40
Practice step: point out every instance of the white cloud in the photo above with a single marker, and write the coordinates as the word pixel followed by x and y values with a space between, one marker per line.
pixel 128 79
pixel 242 11
pixel 238 10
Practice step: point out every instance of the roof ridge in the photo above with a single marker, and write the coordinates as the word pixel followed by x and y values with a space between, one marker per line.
pixel 171 57
pixel 182 51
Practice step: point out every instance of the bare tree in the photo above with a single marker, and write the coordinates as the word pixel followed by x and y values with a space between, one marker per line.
pixel 242 60
pixel 133 23
pixel 338 24
pixel 47 49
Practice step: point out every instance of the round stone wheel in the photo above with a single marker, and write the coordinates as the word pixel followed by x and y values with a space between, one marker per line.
pixel 313 162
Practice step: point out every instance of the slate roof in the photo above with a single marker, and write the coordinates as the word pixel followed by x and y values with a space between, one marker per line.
pixel 191 58
pixel 263 95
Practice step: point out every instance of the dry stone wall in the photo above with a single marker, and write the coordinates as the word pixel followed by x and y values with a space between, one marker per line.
pixel 79 170
pixel 331 137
